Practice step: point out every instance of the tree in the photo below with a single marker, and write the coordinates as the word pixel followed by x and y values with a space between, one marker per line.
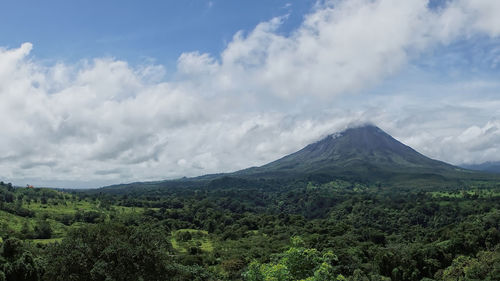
pixel 297 263
pixel 43 230
pixel 25 268
pixel 26 231
pixel 111 252
pixel 486 266
pixel 20 264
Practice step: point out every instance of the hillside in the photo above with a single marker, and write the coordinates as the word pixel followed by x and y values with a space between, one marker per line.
pixel 302 219
pixel 362 154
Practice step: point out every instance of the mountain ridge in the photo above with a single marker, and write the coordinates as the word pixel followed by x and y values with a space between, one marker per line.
pixel 490 167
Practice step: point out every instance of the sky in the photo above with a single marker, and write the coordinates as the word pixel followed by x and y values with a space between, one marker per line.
pixel 94 93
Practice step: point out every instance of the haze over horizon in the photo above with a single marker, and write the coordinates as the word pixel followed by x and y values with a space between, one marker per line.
pixel 103 93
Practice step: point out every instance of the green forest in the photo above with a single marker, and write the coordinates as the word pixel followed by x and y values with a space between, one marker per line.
pixel 231 229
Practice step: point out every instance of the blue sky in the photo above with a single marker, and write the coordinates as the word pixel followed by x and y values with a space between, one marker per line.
pixel 102 92
pixel 135 30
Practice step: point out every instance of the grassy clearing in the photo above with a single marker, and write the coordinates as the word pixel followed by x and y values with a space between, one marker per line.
pixel 130 210
pixel 67 208
pixel 61 212
pixel 196 238
pixel 483 193
pixel 11 223
pixel 14 223
pixel 45 241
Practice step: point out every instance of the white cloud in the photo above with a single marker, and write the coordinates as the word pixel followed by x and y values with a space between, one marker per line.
pixel 471 145
pixel 341 47
pixel 464 17
pixel 266 95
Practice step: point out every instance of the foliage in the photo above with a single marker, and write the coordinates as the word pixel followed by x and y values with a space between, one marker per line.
pixel 297 263
pixel 486 266
pixel 110 252
pixel 19 263
pixel 227 229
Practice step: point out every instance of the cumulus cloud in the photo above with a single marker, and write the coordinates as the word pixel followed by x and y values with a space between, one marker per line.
pixel 266 95
pixel 341 47
pixel 105 120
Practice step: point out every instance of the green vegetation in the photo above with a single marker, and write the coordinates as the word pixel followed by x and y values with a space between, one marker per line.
pixel 44 215
pixel 297 263
pixel 185 240
pixel 360 206
pixel 348 231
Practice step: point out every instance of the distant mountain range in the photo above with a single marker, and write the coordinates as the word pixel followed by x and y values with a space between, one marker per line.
pixel 361 154
pixel 491 167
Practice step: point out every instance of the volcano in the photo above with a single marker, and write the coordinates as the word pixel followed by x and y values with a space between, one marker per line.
pixel 364 152
pixel 360 154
